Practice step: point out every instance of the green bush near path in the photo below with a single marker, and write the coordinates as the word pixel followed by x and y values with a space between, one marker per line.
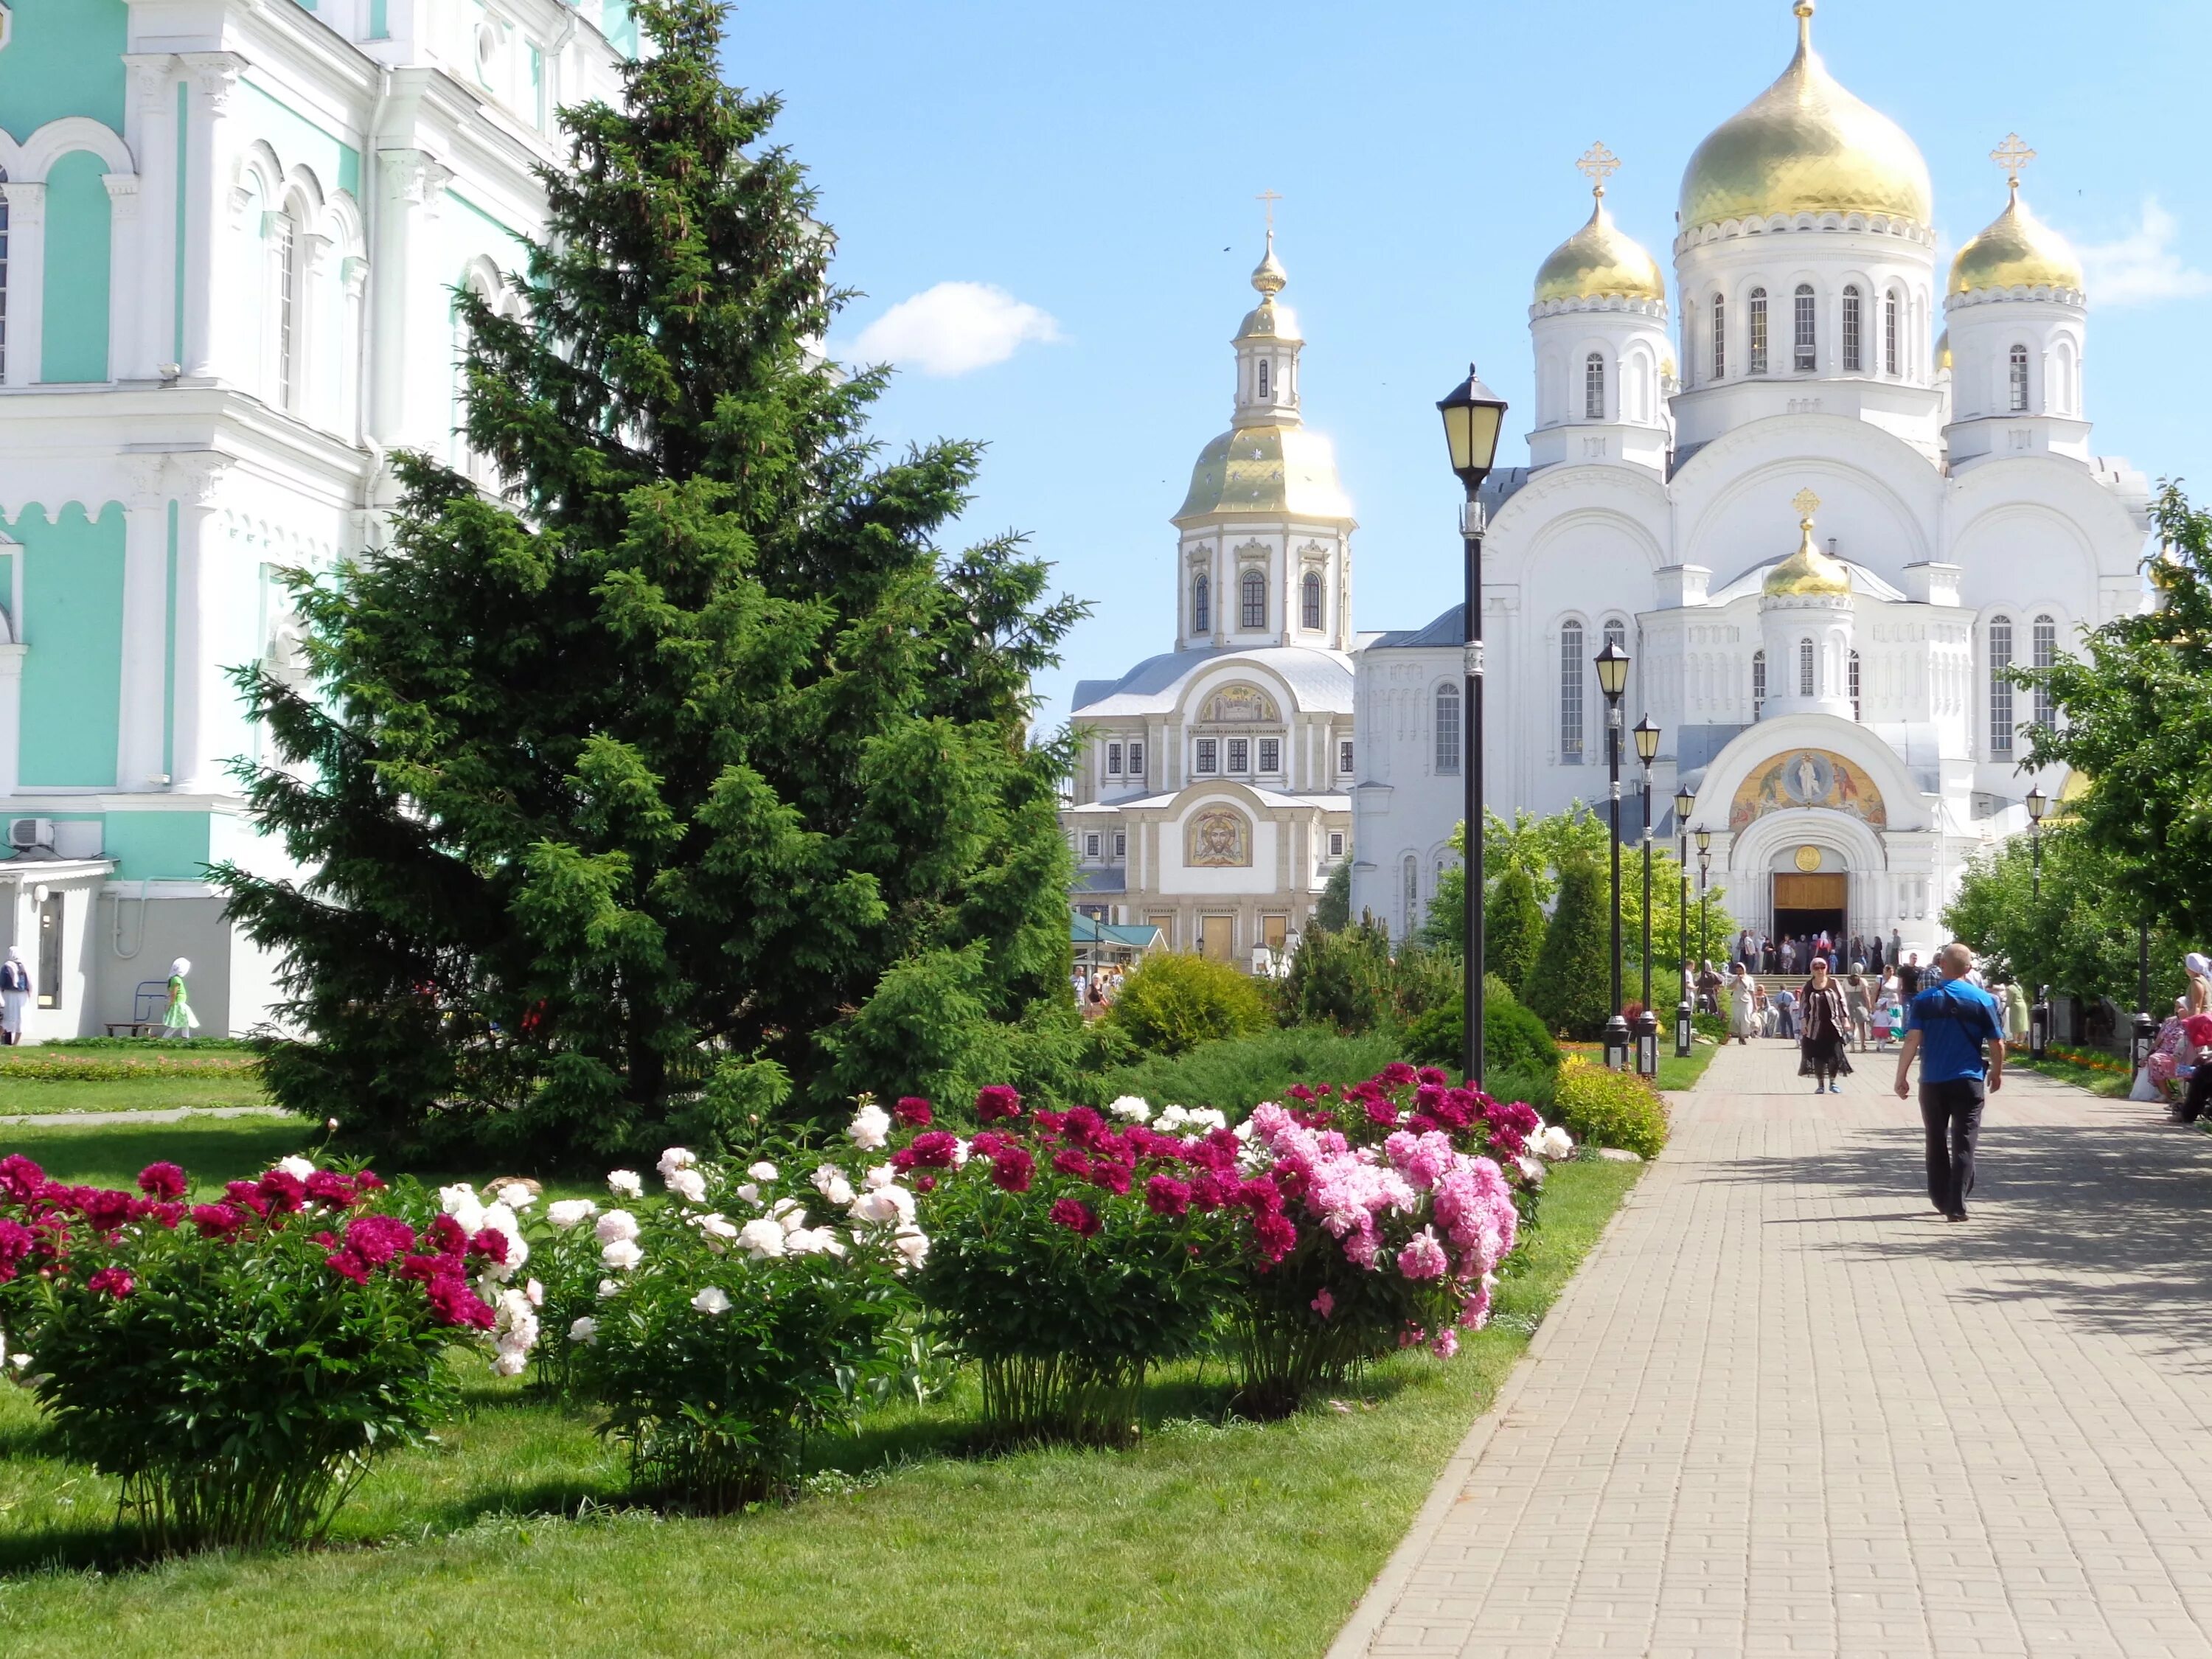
pixel 1238 1073
pixel 1214 1539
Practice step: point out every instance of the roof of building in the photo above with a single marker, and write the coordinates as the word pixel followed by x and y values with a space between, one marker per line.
pixel 1599 261
pixel 2017 250
pixel 1320 681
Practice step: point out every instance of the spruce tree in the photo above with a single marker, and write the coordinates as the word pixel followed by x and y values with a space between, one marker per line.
pixel 1512 925
pixel 1571 984
pixel 692 771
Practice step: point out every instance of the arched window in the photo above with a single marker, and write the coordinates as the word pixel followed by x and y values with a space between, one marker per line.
pixel 2000 687
pixel 1593 386
pixel 1855 685
pixel 3 275
pixel 1720 337
pixel 2046 652
pixel 1807 357
pixel 2016 380
pixel 1757 684
pixel 1310 600
pixel 1413 881
pixel 1854 355
pixel 1889 332
pixel 1252 597
pixel 1757 365
pixel 1201 605
pixel 1263 377
pixel 1447 730
pixel 289 342
pixel 1804 668
pixel 1571 674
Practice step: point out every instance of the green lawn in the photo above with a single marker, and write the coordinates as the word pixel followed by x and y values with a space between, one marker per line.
pixel 29 1097
pixel 2097 1080
pixel 1685 1072
pixel 1214 1538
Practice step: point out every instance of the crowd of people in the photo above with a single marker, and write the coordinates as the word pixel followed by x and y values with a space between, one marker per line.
pixel 1096 988
pixel 1795 953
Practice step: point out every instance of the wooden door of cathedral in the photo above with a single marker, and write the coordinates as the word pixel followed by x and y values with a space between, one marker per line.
pixel 1806 905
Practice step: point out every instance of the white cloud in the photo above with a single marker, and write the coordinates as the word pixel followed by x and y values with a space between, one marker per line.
pixel 2142 266
pixel 953 329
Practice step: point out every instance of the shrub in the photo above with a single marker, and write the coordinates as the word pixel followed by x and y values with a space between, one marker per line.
pixel 1238 1074
pixel 726 1323
pixel 1611 1109
pixel 1512 925
pixel 1175 1001
pixel 1709 1025
pixel 1069 1255
pixel 1513 1039
pixel 1340 980
pixel 237 1365
pixel 1569 989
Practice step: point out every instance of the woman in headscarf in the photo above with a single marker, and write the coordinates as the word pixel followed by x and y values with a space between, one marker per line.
pixel 2165 1052
pixel 1743 1005
pixel 14 994
pixel 2200 982
pixel 2015 1013
pixel 178 1020
pixel 1823 1046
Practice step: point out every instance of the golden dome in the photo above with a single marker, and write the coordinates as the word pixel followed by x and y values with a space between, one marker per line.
pixel 1806 145
pixel 1943 351
pixel 1599 262
pixel 1267 320
pixel 1809 570
pixel 1267 468
pixel 2017 251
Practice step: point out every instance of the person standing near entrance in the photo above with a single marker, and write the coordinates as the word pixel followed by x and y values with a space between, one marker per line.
pixel 1947 1025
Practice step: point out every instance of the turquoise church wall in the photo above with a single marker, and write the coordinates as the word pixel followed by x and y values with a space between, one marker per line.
pixel 298 141
pixel 74 337
pixel 619 25
pixel 72 624
pixel 156 846
pixel 64 57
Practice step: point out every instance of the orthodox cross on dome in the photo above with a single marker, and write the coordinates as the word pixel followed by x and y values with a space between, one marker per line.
pixel 1807 504
pixel 1268 198
pixel 2012 155
pixel 1598 164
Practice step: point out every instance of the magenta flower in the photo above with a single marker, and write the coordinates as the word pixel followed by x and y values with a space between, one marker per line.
pixel 1012 1169
pixel 335 1190
pixel 111 1281
pixel 1324 1304
pixel 347 1265
pixel 1076 1216
pixel 21 1178
pixel 1166 1195
pixel 997 1100
pixel 161 1181
pixel 218 1220
pixel 912 1111
pixel 375 1239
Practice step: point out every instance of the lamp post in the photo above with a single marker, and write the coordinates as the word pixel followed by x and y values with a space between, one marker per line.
pixel 1647 1023
pixel 2146 1029
pixel 1474 416
pixel 1684 802
pixel 2037 801
pixel 1705 863
pixel 1611 664
pixel 2038 1017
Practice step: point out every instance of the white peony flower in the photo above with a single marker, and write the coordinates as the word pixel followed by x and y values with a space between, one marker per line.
pixel 712 1300
pixel 607 1288
pixel 536 1292
pixel 503 1220
pixel 302 1168
pixel 585 1330
pixel 882 1205
pixel 1132 1108
pixel 788 1212
pixel 1532 1170
pixel 715 1225
pixel 675 1158
pixel 763 1238
pixel 813 1241
pixel 616 1226
pixel 689 1185
pixel 960 1154
pixel 1556 1143
pixel 829 1182
pixel 882 1174
pixel 625 1183
pixel 622 1255
pixel 911 1244
pixel 567 1212
pixel 750 1192
pixel 509 1363
pixel 460 1201
pixel 762 1171
pixel 870 1129
pixel 516 1196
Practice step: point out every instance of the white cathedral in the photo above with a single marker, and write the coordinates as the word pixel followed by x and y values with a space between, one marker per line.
pixel 1820 527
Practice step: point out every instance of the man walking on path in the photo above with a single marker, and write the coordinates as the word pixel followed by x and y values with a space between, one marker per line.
pixel 1946 1024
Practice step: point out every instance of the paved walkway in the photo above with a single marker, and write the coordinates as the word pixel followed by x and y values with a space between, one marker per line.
pixel 1785 1408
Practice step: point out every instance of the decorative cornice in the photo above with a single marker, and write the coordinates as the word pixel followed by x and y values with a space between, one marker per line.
pixel 214 74
pixel 1876 224
pixel 1982 297
pixel 1637 306
pixel 151 72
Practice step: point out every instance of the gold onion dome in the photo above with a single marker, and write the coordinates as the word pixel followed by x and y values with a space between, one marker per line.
pixel 1943 351
pixel 1809 570
pixel 1268 320
pixel 1267 468
pixel 2017 251
pixel 1599 262
pixel 1806 145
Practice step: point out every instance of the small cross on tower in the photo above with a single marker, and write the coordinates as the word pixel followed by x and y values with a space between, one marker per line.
pixel 2012 155
pixel 1598 164
pixel 1268 198
pixel 1807 504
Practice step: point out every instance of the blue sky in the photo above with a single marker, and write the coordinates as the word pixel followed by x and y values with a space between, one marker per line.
pixel 1098 166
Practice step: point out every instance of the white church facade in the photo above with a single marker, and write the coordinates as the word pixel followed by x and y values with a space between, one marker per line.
pixel 1820 531
pixel 229 237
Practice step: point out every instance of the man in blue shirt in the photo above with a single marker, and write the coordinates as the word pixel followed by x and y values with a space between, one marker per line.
pixel 1946 1025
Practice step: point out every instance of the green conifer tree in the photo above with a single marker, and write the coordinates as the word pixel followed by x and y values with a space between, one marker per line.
pixel 1512 925
pixel 1570 985
pixel 617 799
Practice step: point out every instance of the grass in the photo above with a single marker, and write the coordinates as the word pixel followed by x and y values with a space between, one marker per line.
pixel 1683 1074
pixel 1214 1539
pixel 2097 1080
pixel 126 1077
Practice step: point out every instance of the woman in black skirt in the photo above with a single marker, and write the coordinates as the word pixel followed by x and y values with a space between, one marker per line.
pixel 1826 1040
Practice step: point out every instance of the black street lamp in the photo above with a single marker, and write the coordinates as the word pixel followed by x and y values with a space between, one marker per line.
pixel 1685 802
pixel 1705 863
pixel 1474 416
pixel 2037 801
pixel 1647 1023
pixel 2146 1029
pixel 1611 664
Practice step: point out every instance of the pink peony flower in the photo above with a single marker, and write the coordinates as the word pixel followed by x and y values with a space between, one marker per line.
pixel 1012 1169
pixel 1422 1256
pixel 335 1190
pixel 111 1281
pixel 1446 1344
pixel 20 1178
pixel 15 1243
pixel 997 1100
pixel 1076 1216
pixel 218 1220
pixel 375 1239
pixel 347 1265
pixel 161 1181
pixel 283 1191
pixel 912 1111
pixel 1165 1195
pixel 1324 1304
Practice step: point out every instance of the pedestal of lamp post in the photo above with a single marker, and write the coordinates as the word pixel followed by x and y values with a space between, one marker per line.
pixel 1685 1028
pixel 2038 1024
pixel 1647 1044
pixel 2144 1039
pixel 1616 1044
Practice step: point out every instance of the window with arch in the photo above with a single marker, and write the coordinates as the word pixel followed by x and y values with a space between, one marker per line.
pixel 1757 684
pixel 2016 381
pixel 2046 646
pixel 1571 674
pixel 1310 600
pixel 1593 386
pixel 1806 356
pixel 1252 600
pixel 1855 685
pixel 1758 364
pixel 1804 668
pixel 1447 730
pixel 1201 605
pixel 1720 337
pixel 2000 687
pixel 1263 377
pixel 3 275
pixel 1853 352
pixel 1889 332
pixel 288 308
pixel 1413 883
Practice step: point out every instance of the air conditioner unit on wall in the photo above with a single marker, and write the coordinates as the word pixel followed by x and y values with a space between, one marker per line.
pixel 24 834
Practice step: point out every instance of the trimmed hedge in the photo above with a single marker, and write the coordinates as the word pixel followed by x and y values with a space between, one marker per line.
pixel 1513 1039
pixel 1602 1108
pixel 1237 1074
pixel 1175 1001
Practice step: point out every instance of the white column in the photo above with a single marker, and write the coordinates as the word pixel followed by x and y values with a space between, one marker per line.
pixel 200 690
pixel 207 208
pixel 11 714
pixel 126 267
pixel 138 762
pixel 413 184
pixel 347 417
pixel 27 267
pixel 311 399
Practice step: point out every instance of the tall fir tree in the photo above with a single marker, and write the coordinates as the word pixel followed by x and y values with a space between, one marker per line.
pixel 1570 985
pixel 1512 925
pixel 693 770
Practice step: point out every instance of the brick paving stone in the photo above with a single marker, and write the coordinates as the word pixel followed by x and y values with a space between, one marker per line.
pixel 1785 1408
